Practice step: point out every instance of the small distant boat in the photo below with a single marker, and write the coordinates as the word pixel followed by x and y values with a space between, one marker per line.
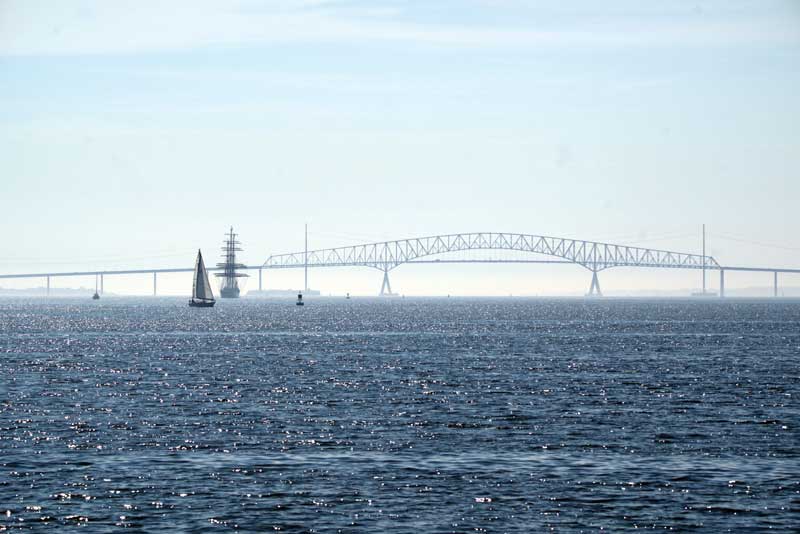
pixel 348 296
pixel 300 299
pixel 96 296
pixel 202 296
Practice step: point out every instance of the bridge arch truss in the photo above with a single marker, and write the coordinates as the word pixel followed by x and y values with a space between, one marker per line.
pixel 592 255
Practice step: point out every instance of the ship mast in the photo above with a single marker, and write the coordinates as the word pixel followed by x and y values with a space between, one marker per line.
pixel 704 259
pixel 305 261
pixel 230 286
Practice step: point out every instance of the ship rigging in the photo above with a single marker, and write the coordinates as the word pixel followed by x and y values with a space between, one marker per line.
pixel 229 288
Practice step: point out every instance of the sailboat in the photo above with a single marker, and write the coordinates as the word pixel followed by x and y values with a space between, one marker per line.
pixel 299 299
pixel 202 297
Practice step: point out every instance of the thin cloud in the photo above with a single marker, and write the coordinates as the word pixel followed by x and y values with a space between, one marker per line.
pixel 89 27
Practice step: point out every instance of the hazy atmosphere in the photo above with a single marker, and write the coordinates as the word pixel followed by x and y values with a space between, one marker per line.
pixel 132 136
pixel 433 375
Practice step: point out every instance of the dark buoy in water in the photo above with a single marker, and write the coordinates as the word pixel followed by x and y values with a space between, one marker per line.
pixel 300 299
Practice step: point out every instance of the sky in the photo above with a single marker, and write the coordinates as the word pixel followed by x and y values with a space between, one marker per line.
pixel 134 133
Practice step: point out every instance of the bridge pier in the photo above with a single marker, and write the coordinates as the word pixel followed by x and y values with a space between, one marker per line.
pixel 386 287
pixel 259 279
pixel 722 283
pixel 101 283
pixel 775 285
pixel 48 286
pixel 594 288
pixel 154 283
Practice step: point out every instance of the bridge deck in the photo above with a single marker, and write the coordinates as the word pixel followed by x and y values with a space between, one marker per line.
pixel 301 265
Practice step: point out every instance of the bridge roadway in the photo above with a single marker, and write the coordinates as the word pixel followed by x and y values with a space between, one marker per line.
pixel 155 272
pixel 388 255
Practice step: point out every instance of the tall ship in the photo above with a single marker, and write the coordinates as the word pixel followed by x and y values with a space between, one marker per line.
pixel 229 289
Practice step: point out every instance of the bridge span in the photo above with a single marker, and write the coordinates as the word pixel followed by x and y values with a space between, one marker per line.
pixel 388 255
pixel 592 255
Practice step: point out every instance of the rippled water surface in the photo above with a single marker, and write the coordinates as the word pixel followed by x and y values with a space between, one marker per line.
pixel 409 415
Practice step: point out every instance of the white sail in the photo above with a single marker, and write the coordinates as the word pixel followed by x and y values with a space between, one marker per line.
pixel 201 289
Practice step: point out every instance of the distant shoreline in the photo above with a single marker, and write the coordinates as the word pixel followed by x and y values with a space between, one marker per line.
pixel 747 293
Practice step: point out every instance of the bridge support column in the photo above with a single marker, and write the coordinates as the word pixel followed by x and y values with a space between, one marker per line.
pixel 259 279
pixel 101 283
pixel 594 289
pixel 775 285
pixel 386 287
pixel 722 283
pixel 48 286
pixel 154 283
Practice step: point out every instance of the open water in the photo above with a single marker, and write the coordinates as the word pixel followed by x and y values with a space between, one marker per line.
pixel 402 415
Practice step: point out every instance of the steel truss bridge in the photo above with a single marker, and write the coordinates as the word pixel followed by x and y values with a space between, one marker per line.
pixel 388 255
pixel 592 255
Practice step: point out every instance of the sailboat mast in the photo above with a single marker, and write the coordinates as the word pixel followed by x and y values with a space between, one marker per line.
pixel 196 274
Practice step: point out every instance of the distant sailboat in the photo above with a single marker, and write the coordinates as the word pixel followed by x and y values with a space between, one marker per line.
pixel 299 299
pixel 202 296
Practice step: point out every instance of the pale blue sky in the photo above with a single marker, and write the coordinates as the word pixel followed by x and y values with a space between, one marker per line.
pixel 132 133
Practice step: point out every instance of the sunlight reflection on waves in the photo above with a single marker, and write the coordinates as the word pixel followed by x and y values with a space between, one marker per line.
pixel 418 414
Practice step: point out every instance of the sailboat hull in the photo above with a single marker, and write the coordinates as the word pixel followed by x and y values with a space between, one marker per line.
pixel 201 304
